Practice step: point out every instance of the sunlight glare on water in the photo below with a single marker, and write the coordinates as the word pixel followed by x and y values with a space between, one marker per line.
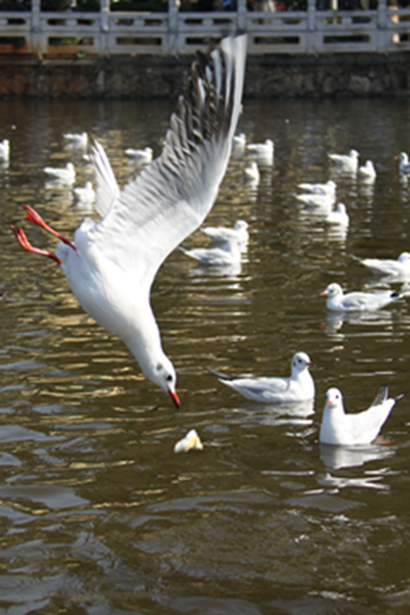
pixel 98 514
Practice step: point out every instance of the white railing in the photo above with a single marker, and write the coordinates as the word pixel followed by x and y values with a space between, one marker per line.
pixel 108 32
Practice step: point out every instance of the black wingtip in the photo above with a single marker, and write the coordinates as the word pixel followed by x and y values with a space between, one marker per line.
pixel 381 396
pixel 219 375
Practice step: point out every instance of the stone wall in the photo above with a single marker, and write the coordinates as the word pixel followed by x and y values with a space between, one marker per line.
pixel 148 77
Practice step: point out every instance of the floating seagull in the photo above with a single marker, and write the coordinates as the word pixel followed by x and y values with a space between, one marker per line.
pixel 77 140
pixel 4 149
pixel 191 442
pixel 299 386
pixel 239 141
pixel 329 188
pixel 348 163
pixel 251 173
pixel 85 195
pixel 65 176
pixel 263 151
pixel 367 172
pixel 337 301
pixel 140 155
pixel 344 429
pixel 404 164
pixel 228 254
pixel 111 264
pixel 338 216
pixel 397 268
pixel 222 234
pixel 321 201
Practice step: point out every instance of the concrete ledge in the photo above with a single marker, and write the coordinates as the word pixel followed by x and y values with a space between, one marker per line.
pixel 347 75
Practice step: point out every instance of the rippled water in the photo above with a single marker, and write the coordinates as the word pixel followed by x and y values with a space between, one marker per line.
pixel 97 513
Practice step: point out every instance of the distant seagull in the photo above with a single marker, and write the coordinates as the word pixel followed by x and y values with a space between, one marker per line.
pixel 65 176
pixel 367 172
pixel 337 301
pixel 85 195
pixel 329 188
pixel 4 149
pixel 399 268
pixel 264 151
pixel 239 141
pixel 343 429
pixel 348 162
pixel 251 173
pixel 338 216
pixel 191 442
pixel 140 155
pixel 321 201
pixel 228 254
pixel 77 140
pixel 222 234
pixel 299 386
pixel 404 164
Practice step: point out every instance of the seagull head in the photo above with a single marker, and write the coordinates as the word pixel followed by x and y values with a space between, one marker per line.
pixel 164 376
pixel 300 362
pixel 333 290
pixel 333 398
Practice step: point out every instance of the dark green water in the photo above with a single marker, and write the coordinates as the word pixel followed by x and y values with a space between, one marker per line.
pixel 97 514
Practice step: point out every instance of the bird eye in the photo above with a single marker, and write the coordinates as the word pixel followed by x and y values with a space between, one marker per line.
pixel 169 378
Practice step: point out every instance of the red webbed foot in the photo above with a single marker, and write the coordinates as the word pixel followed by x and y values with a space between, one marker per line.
pixel 23 241
pixel 33 216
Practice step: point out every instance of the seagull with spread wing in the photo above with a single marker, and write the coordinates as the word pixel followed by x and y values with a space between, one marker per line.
pixel 111 264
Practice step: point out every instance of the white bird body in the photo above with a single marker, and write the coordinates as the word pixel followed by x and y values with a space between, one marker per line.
pixel 367 172
pixel 398 268
pixel 337 301
pixel 239 141
pixel 339 428
pixel 85 195
pixel 329 188
pixel 264 151
pixel 140 155
pixel 299 386
pixel 223 234
pixel 65 176
pixel 349 162
pixel 404 164
pixel 112 263
pixel 228 254
pixel 251 173
pixel 320 201
pixel 191 442
pixel 338 216
pixel 77 140
pixel 4 149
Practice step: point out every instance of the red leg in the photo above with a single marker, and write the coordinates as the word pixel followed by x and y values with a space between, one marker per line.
pixel 23 241
pixel 33 216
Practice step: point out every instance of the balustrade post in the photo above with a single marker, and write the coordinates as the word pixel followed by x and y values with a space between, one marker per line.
pixel 36 46
pixel 242 12
pixel 172 27
pixel 311 26
pixel 383 32
pixel 105 27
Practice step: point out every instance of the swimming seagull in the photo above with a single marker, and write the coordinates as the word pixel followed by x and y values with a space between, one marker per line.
pixel 140 155
pixel 299 386
pixel 329 188
pixel 367 172
pixel 343 429
pixel 337 301
pixel 318 201
pixel 85 195
pixel 251 173
pixel 239 141
pixel 4 149
pixel 404 164
pixel 76 140
pixel 264 151
pixel 338 216
pixel 222 234
pixel 111 264
pixel 228 254
pixel 65 176
pixel 398 268
pixel 348 162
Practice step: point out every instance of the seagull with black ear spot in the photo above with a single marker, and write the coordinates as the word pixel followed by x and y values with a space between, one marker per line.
pixel 111 264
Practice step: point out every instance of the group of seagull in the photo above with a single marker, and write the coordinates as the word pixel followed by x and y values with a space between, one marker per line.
pixel 111 263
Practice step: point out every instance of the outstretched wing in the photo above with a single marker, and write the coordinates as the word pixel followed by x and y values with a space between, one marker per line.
pixel 171 198
pixel 107 190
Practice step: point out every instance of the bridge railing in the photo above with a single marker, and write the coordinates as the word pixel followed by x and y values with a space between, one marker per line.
pixel 107 33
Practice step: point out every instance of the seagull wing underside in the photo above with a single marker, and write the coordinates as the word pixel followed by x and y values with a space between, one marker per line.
pixel 107 190
pixel 171 198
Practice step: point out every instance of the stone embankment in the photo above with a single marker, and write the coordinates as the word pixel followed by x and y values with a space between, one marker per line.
pixel 342 75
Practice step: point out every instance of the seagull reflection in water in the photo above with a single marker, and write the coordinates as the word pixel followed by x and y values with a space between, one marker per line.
pixel 336 457
pixel 335 320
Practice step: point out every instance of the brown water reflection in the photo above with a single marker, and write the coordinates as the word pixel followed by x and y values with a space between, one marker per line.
pixel 97 513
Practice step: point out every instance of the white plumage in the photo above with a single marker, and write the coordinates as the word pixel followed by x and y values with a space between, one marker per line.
pixel 65 176
pixel 357 301
pixel 328 188
pixel 349 162
pixel 399 268
pixel 140 155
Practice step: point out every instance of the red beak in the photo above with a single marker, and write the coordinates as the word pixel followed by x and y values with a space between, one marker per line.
pixel 175 399
pixel 323 294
